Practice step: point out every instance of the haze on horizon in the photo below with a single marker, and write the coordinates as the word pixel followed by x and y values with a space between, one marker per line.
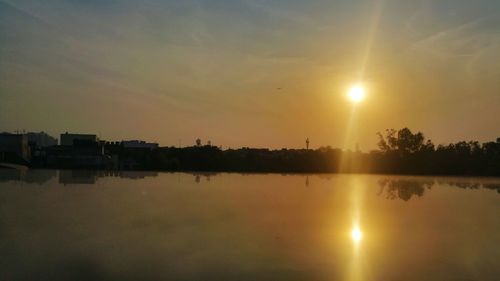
pixel 251 73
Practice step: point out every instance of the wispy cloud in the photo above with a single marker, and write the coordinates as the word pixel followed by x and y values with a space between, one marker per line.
pixel 203 59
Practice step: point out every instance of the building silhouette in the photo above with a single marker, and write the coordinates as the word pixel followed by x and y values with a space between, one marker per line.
pixel 69 139
pixel 14 148
pixel 40 140
pixel 139 144
pixel 76 151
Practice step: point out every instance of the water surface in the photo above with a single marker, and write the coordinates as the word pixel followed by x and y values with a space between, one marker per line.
pixel 84 225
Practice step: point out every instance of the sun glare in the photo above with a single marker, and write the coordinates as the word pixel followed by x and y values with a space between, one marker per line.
pixel 356 234
pixel 356 93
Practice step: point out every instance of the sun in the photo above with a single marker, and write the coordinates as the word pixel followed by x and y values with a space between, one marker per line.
pixel 356 93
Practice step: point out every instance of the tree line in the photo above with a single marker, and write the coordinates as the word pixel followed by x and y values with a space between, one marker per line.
pixel 400 152
pixel 404 152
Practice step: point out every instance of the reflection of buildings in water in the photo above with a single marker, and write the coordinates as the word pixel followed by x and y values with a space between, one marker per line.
pixel 68 176
pixel 77 177
pixel 29 176
pixel 10 175
pixel 404 189
pixel 39 176
pixel 91 177
pixel 137 174
pixel 307 180
pixel 126 174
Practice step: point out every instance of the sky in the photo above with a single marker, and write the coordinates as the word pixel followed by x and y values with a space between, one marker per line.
pixel 256 73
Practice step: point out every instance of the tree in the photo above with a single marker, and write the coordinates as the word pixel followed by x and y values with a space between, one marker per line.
pixel 404 142
pixel 198 142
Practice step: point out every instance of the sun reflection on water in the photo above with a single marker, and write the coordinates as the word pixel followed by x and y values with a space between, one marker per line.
pixel 356 272
pixel 356 234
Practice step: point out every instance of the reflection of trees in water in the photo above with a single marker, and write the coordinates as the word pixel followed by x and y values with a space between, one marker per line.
pixel 461 184
pixel 475 185
pixel 494 186
pixel 403 188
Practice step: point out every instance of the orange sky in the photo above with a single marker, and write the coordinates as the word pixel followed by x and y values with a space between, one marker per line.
pixel 251 73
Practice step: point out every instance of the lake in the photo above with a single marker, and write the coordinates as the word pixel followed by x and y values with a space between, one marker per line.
pixel 85 225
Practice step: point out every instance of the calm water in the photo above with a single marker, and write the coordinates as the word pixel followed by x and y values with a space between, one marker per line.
pixel 74 225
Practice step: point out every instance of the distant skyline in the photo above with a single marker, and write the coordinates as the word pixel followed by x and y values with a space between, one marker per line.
pixel 251 73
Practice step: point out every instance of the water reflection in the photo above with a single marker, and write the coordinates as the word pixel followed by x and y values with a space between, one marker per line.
pixel 39 177
pixel 357 198
pixel 403 189
pixel 408 188
pixel 77 177
pixel 69 177
pixel 356 234
pixel 494 186
pixel 163 226
pixel 198 176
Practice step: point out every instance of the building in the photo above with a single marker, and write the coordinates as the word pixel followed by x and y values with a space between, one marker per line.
pixel 76 151
pixel 81 155
pixel 14 148
pixel 139 144
pixel 41 139
pixel 68 139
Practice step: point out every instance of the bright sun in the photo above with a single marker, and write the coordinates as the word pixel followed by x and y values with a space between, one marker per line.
pixel 356 93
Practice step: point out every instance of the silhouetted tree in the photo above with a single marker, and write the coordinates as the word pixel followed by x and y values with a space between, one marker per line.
pixel 404 142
